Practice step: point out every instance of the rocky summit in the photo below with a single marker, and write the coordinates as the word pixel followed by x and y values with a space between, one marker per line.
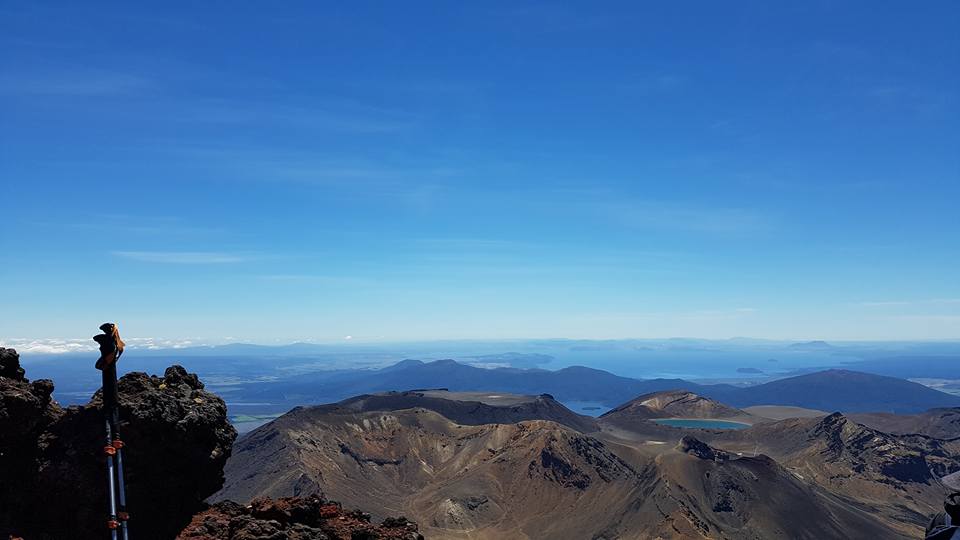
pixel 52 470
pixel 177 440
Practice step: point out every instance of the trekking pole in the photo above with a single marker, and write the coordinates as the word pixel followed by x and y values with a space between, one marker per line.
pixel 122 514
pixel 110 451
pixel 111 347
pixel 121 488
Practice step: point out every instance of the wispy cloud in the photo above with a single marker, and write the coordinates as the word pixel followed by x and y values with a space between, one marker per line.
pixel 720 312
pixel 131 224
pixel 264 163
pixel 653 84
pixel 65 346
pixel 473 244
pixel 49 346
pixel 670 215
pixel 329 115
pixel 913 98
pixel 543 18
pixel 74 84
pixel 648 214
pixel 924 302
pixel 623 209
pixel 320 279
pixel 181 257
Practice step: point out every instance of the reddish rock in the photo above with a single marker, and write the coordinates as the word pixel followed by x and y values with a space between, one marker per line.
pixel 293 518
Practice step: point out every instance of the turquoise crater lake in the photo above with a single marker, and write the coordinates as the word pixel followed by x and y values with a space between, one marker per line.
pixel 693 423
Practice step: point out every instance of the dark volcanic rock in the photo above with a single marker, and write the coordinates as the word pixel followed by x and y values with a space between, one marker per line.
pixel 554 467
pixel 26 411
pixel 696 447
pixel 54 487
pixel 293 518
pixel 25 408
pixel 898 459
pixel 10 364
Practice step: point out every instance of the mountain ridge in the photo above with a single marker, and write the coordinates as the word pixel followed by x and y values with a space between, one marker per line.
pixel 834 389
pixel 472 480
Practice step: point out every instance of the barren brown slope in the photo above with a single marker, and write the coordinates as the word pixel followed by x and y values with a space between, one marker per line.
pixel 892 476
pixel 485 481
pixel 703 492
pixel 939 423
pixel 533 479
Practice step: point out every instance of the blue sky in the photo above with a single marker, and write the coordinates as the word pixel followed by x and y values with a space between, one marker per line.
pixel 422 170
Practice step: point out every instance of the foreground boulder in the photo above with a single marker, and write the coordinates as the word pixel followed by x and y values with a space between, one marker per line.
pixel 293 518
pixel 26 411
pixel 52 470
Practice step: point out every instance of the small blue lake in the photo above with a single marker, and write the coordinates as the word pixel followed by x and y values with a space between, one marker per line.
pixel 691 423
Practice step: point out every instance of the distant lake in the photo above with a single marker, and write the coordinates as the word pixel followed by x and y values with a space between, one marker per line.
pixel 691 423
pixel 588 408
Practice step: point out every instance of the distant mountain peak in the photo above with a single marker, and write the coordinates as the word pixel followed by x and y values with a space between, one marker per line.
pixel 445 362
pixel 845 390
pixel 674 403
pixel 403 364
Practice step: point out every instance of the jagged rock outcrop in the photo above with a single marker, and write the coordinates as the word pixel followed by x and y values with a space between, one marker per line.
pixel 52 469
pixel 26 411
pixel 893 475
pixel 53 479
pixel 10 364
pixel 26 408
pixel 695 447
pixel 941 423
pixel 872 453
pixel 293 518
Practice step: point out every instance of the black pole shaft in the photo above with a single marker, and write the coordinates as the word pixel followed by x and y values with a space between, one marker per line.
pixel 110 482
pixel 122 495
pixel 121 483
pixel 111 347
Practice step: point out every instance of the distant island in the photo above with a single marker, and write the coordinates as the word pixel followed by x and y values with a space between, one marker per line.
pixel 749 370
pixel 817 345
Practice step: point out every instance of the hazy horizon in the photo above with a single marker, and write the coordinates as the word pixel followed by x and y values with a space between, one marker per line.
pixel 83 345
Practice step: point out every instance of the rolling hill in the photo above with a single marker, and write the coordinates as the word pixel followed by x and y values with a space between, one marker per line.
pixel 839 390
pixel 831 390
pixel 674 404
